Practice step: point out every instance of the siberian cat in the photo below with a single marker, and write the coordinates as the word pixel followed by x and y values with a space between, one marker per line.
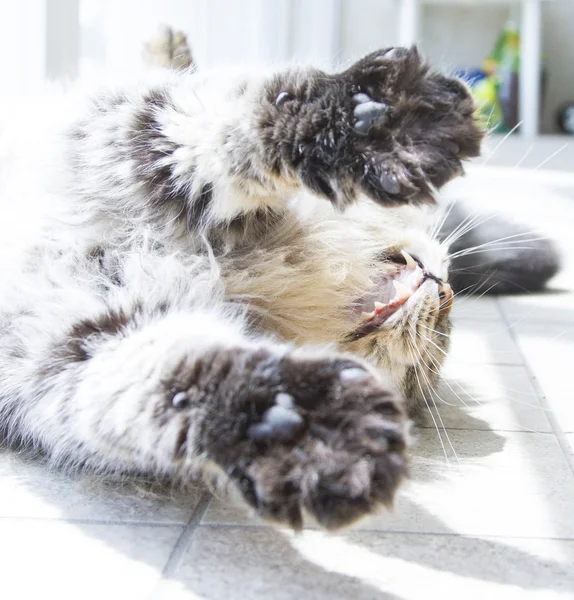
pixel 229 275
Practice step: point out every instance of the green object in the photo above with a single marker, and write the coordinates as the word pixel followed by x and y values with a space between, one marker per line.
pixel 502 64
pixel 490 114
pixel 496 92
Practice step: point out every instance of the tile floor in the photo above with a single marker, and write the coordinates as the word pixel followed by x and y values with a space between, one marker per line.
pixel 489 512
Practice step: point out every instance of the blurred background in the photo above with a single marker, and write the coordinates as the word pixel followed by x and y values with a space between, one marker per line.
pixel 517 53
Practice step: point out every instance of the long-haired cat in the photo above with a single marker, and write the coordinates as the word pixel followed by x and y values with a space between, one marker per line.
pixel 227 275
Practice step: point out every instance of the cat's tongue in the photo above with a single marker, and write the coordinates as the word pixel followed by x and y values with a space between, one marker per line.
pixel 393 292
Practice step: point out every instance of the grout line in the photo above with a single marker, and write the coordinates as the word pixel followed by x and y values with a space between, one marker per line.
pixel 558 432
pixel 92 521
pixel 454 363
pixel 186 536
pixel 263 527
pixel 181 546
pixel 429 427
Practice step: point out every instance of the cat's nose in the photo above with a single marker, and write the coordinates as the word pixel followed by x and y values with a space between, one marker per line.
pixel 445 295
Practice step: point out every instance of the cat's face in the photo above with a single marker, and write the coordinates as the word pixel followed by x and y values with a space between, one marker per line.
pixel 403 321
pixel 316 279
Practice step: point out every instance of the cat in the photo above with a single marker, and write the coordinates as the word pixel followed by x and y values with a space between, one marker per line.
pixel 231 277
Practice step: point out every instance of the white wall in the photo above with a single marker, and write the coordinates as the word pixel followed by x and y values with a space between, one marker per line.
pixel 220 31
pixel 38 37
pixel 367 25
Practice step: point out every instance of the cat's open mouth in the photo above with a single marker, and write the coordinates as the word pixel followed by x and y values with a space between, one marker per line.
pixel 394 291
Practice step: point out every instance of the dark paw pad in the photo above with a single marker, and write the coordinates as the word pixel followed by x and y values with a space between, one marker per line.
pixel 280 422
pixel 368 112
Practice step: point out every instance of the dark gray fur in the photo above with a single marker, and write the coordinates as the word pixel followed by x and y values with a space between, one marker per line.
pixel 526 268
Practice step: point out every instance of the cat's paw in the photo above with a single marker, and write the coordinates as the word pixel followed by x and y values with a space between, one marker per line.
pixel 388 127
pixel 322 436
pixel 167 49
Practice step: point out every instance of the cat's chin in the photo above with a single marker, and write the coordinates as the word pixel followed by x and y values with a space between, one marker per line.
pixel 403 279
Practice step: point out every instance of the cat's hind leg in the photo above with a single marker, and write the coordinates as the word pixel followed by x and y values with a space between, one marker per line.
pixel 293 430
pixel 168 49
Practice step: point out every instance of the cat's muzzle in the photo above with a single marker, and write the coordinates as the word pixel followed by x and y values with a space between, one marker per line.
pixel 396 289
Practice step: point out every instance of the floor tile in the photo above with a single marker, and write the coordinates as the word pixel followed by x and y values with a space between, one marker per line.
pixel 510 484
pixel 223 510
pixel 262 563
pixel 475 309
pixel 475 342
pixel 549 351
pixel 507 484
pixel 29 489
pixel 556 307
pixel 490 397
pixel 51 559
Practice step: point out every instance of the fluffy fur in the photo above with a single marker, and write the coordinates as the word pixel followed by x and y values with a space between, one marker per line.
pixel 186 291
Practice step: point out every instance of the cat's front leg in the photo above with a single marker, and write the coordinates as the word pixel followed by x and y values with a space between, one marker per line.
pixel 205 150
pixel 293 430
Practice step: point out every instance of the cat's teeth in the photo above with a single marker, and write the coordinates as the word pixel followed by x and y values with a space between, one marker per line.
pixel 419 277
pixel 365 316
pixel 411 263
pixel 402 290
pixel 380 306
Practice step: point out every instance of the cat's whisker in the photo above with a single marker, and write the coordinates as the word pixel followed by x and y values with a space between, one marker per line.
pixel 528 151
pixel 551 156
pixel 481 404
pixel 434 330
pixel 432 390
pixel 433 343
pixel 493 152
pixel 436 372
pixel 430 412
pixel 448 242
pixel 506 388
pixel 432 393
pixel 468 224
pixel 432 358
pixel 476 298
pixel 485 279
pixel 461 292
pixel 507 242
pixel 521 235
pixel 469 301
pixel 456 295
pixel 487 126
pixel 470 252
pixel 440 221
